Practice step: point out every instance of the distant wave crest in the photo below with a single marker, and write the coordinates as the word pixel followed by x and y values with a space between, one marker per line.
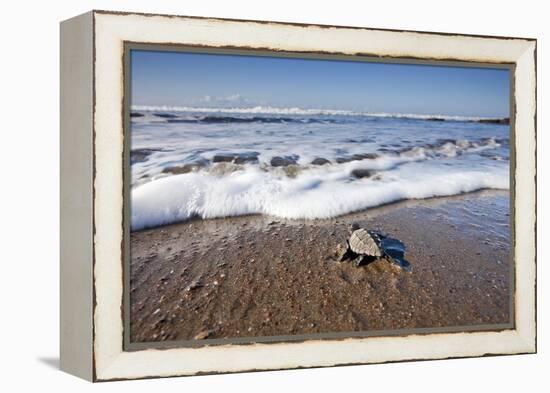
pixel 270 110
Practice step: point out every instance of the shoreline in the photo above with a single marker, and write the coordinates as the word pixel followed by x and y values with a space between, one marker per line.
pixel 248 276
pixel 371 211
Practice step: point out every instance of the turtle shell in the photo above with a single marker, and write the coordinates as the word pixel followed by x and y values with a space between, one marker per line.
pixel 365 243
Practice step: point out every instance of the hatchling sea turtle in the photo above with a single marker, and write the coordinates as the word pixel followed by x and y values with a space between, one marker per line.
pixel 367 245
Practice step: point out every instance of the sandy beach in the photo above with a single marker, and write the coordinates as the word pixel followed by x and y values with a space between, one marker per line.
pixel 258 276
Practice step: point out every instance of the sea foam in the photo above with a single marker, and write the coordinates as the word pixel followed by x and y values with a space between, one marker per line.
pixel 311 195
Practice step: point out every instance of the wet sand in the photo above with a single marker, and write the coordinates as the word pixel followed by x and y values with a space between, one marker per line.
pixel 255 276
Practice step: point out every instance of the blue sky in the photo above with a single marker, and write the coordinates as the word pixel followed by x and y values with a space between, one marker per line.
pixel 207 80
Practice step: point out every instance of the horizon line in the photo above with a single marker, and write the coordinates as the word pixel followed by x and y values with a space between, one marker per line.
pixel 295 110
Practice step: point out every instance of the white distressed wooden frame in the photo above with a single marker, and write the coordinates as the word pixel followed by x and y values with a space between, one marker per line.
pixel 92 194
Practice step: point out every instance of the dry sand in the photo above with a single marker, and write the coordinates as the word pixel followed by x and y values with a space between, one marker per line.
pixel 257 276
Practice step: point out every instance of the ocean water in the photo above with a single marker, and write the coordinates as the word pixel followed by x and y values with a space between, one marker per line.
pixel 302 164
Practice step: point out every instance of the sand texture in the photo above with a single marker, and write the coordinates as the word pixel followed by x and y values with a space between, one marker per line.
pixel 257 276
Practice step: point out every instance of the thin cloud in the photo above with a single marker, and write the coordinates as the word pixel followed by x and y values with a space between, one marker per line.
pixel 232 99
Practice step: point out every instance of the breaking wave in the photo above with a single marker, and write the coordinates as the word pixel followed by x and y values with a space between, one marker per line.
pixel 320 193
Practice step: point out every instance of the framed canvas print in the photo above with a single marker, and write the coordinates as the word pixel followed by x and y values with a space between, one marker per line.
pixel 247 195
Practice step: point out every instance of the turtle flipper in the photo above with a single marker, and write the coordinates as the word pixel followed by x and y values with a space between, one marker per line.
pixel 364 260
pixel 348 254
pixel 401 262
